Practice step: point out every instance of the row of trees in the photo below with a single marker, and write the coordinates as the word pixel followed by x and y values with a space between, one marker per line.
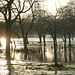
pixel 61 24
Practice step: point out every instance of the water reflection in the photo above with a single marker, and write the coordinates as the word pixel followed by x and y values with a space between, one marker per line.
pixel 9 69
pixel 34 64
pixel 4 68
pixel 37 53
pixel 4 72
pixel 55 72
pixel 49 54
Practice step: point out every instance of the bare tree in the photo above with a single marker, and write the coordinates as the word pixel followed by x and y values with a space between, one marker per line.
pixel 11 9
pixel 67 17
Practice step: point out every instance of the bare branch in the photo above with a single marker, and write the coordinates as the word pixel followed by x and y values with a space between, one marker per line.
pixel 21 11
pixel 29 7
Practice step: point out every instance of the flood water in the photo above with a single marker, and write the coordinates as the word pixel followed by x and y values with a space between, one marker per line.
pixel 37 61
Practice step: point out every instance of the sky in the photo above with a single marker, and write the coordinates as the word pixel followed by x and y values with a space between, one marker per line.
pixel 51 5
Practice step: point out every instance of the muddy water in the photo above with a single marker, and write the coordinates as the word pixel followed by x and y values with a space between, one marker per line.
pixel 37 61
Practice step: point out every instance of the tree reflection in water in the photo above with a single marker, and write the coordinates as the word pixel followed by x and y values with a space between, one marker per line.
pixel 36 54
pixel 9 69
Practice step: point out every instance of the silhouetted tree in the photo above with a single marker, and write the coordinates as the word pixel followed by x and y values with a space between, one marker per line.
pixel 10 10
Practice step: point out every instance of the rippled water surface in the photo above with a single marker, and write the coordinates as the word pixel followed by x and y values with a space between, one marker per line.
pixel 37 62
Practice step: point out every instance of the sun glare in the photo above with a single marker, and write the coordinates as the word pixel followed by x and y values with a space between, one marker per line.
pixel 3 41
pixel 52 5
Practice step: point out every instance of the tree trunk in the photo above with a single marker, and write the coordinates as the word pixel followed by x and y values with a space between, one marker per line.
pixel 44 40
pixel 69 48
pixel 32 23
pixel 24 38
pixel 8 30
pixel 8 36
pixel 25 44
pixel 40 49
pixel 40 39
pixel 55 50
pixel 55 45
pixel 0 42
pixel 65 54
pixel 44 43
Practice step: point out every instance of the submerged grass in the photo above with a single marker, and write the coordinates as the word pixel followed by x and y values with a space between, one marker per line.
pixel 49 67
pixel 59 67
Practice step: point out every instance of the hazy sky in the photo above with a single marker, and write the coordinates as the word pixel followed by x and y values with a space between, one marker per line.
pixel 51 5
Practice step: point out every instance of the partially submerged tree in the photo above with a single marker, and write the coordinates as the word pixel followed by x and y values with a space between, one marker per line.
pixel 51 24
pixel 67 18
pixel 62 32
pixel 10 10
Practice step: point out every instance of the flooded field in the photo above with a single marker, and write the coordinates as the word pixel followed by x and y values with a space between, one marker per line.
pixel 37 62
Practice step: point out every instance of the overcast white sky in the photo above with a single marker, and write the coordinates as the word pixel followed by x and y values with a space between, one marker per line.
pixel 51 5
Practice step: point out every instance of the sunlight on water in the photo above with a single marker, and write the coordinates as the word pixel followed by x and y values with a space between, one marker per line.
pixel 3 41
pixel 3 62
pixel 4 72
pixel 3 68
pixel 49 54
